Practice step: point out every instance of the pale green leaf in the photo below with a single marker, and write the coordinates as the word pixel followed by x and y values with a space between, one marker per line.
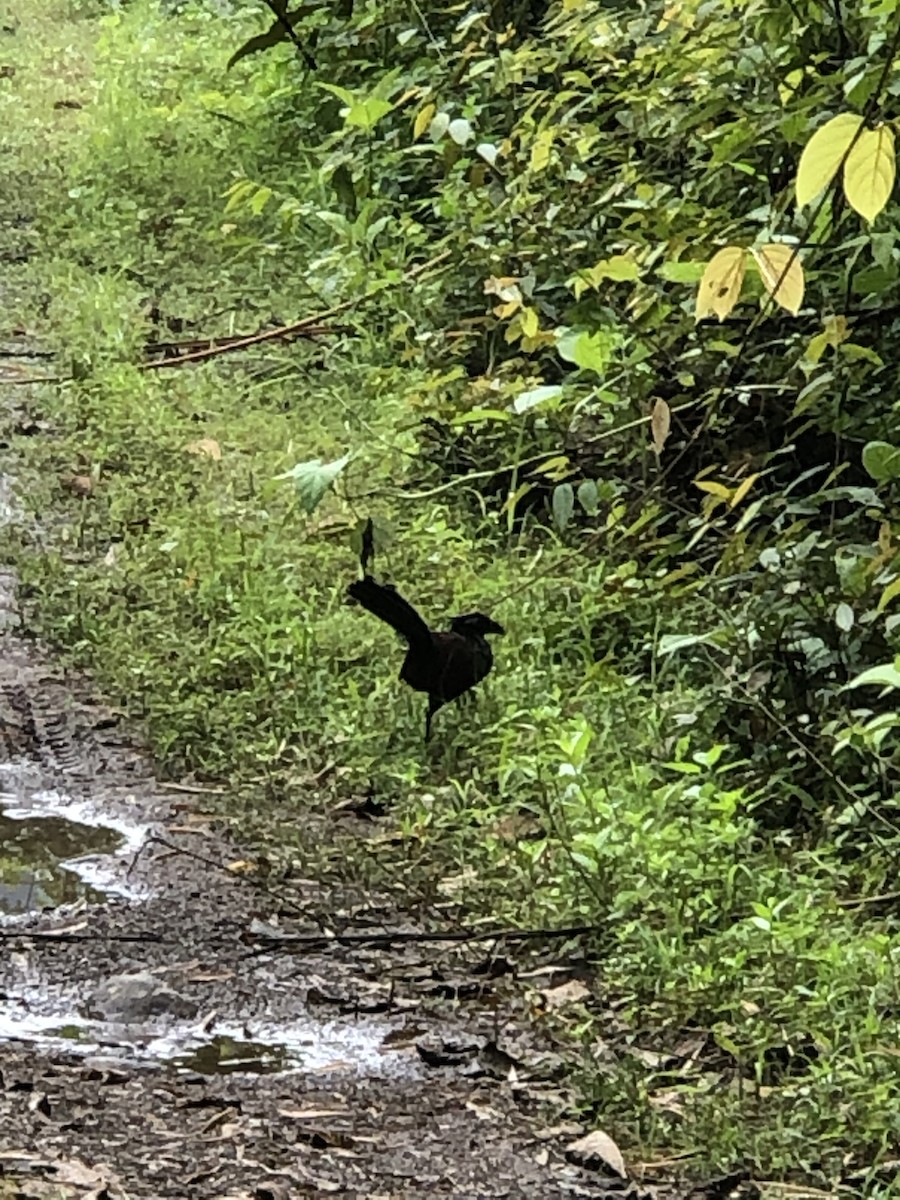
pixel 884 676
pixel 313 478
pixel 563 505
pixel 822 155
pixel 539 395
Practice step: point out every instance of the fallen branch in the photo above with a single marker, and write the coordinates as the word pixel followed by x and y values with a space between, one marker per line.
pixel 405 937
pixel 205 347
pixel 62 935
pixel 299 328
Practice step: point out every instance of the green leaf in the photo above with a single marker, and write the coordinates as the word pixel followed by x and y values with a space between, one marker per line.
pixel 619 268
pixel 587 497
pixel 476 416
pixel 341 92
pixel 313 478
pixel 885 676
pixel 882 461
pixel 682 272
pixel 590 351
pixel 669 643
pixel 563 505
pixel 366 114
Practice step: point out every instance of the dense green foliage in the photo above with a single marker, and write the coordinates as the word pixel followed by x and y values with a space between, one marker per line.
pixel 514 206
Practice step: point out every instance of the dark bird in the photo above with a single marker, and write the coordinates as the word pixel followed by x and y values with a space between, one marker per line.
pixel 445 664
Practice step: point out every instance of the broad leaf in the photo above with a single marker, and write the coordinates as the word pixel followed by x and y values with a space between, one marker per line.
pixel 669 643
pixel 539 395
pixel 822 155
pixel 460 131
pixel 721 284
pixel 590 351
pixel 588 497
pixel 882 461
pixel 884 676
pixel 563 505
pixel 870 171
pixel 313 478
pixel 781 271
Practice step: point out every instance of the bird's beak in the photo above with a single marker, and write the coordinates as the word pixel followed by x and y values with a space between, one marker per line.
pixel 493 627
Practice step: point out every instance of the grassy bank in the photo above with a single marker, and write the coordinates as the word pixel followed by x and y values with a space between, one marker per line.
pixel 593 781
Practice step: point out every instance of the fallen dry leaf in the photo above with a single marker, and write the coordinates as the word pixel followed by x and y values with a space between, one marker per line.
pixel 206 448
pixel 78 485
pixel 566 993
pixel 596 1148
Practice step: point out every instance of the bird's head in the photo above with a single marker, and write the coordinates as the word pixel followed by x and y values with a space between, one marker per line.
pixel 475 624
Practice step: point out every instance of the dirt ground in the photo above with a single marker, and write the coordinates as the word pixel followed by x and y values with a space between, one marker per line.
pixel 253 1069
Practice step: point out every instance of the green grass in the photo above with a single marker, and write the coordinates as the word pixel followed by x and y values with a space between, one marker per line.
pixel 590 782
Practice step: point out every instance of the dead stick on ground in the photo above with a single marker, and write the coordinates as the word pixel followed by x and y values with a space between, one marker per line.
pixel 406 937
pixel 296 327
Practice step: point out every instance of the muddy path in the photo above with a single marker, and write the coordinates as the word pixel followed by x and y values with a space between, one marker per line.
pixel 154 1043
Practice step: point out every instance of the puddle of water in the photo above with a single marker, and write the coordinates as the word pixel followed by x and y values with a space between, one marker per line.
pixel 55 850
pixel 224 1055
pixel 264 1047
pixel 254 1047
pixel 32 871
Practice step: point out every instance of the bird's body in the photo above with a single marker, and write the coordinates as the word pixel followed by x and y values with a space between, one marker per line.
pixel 442 663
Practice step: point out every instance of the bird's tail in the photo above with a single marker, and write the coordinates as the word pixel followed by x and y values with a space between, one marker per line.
pixel 389 606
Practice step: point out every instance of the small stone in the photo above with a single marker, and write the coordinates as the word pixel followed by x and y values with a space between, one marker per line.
pixel 138 995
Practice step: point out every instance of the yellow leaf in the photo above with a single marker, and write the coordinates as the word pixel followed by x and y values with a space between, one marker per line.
pixel 660 424
pixel 530 322
pixel 540 150
pixel 721 283
pixel 671 14
pixel 835 331
pixel 714 489
pixel 408 95
pixel 782 274
pixel 504 287
pixel 555 468
pixel 742 489
pixel 822 155
pixel 789 85
pixel 619 267
pixel 513 330
pixel 206 448
pixel 505 311
pixel 423 119
pixel 816 347
pixel 890 593
pixel 513 498
pixel 870 171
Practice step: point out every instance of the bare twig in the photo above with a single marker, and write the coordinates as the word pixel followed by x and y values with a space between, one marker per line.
pixel 413 937
pixel 299 328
